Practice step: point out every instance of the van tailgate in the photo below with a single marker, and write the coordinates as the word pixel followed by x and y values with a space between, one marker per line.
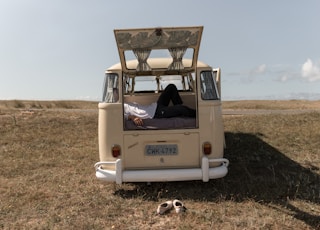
pixel 145 151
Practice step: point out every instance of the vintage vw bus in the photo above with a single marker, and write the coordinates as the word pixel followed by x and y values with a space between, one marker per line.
pixel 166 149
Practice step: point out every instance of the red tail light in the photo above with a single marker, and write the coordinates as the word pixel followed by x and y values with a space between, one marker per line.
pixel 206 147
pixel 116 151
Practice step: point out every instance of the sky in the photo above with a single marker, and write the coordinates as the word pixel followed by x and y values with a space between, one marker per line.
pixel 59 50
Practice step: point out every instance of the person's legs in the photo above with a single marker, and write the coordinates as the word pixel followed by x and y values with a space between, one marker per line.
pixel 169 93
pixel 177 110
pixel 174 111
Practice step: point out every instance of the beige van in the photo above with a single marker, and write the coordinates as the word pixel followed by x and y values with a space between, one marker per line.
pixel 162 149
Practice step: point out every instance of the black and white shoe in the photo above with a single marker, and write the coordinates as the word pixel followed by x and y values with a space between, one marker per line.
pixel 164 207
pixel 179 206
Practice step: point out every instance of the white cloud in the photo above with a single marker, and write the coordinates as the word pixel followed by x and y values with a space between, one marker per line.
pixel 258 70
pixel 284 78
pixel 261 69
pixel 253 74
pixel 310 71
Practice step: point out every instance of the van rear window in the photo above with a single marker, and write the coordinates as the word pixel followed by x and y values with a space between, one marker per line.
pixel 111 88
pixel 147 84
pixel 208 85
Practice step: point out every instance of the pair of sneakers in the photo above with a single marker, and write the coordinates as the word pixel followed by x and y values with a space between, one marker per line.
pixel 168 205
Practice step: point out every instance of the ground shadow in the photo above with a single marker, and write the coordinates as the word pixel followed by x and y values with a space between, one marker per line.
pixel 257 171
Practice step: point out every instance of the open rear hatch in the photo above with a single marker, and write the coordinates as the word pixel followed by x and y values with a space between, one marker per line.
pixel 166 41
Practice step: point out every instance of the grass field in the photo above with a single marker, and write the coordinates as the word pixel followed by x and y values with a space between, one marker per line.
pixel 47 179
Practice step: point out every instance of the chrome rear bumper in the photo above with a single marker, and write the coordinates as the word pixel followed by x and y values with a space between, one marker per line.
pixel 160 175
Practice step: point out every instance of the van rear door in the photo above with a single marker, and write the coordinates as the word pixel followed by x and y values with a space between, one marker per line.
pixel 176 41
pixel 166 150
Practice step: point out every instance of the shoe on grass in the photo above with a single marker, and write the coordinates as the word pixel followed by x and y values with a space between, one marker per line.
pixel 179 206
pixel 164 207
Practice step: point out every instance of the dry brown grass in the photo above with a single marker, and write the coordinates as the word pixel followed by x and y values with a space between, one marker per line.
pixel 48 181
pixel 272 105
pixel 27 105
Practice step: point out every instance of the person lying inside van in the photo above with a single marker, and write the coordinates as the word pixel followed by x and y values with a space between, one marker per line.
pixel 159 109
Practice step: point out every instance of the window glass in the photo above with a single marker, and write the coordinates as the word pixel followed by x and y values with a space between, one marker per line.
pixel 208 85
pixel 183 83
pixel 171 79
pixel 176 55
pixel 153 83
pixel 127 84
pixel 145 83
pixel 111 88
pixel 139 84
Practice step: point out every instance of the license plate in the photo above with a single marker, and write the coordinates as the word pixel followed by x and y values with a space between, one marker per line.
pixel 161 150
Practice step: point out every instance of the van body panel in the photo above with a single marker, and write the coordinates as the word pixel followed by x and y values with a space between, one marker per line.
pixel 144 150
pixel 193 151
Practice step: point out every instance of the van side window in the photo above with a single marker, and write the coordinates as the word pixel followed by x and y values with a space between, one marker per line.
pixel 208 85
pixel 111 88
